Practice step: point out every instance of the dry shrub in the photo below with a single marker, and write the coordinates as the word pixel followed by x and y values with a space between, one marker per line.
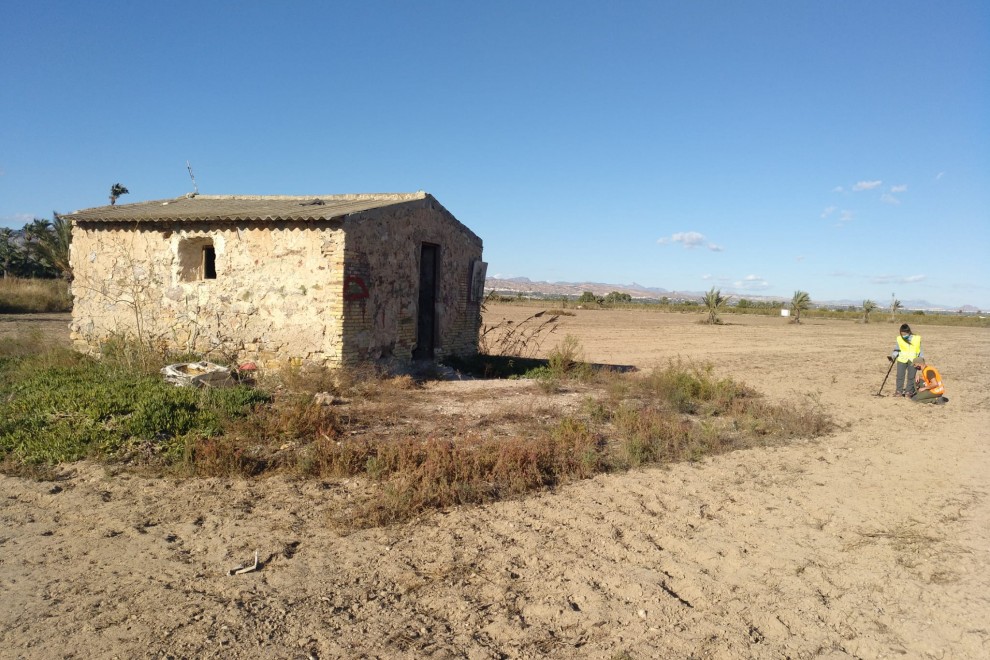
pixel 688 387
pixel 401 383
pixel 418 474
pixel 289 418
pixel 223 456
pixel 679 412
pixel 684 412
pixel 649 435
pixel 13 467
pixel 565 362
pixel 131 354
pixel 353 380
pixel 330 457
pixel 311 378
pixel 788 419
pixel 266 440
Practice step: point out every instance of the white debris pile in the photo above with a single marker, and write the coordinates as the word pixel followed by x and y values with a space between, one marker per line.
pixel 199 374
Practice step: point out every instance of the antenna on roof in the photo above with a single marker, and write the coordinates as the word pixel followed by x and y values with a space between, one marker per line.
pixel 193 177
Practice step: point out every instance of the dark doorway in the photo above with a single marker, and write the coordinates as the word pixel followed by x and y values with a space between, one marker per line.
pixel 209 262
pixel 427 318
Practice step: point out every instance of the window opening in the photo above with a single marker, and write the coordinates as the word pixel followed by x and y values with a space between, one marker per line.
pixel 197 259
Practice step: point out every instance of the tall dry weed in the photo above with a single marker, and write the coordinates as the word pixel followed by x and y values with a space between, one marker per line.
pixel 520 339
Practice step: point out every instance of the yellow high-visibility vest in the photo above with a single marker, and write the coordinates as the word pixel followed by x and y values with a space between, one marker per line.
pixel 909 349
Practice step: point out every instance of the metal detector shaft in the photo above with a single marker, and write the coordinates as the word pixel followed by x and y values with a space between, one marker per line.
pixel 889 369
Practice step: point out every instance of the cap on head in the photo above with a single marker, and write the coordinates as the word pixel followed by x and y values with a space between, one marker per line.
pixel 919 362
pixel 905 328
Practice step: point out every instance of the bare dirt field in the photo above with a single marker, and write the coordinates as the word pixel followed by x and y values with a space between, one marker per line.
pixel 52 325
pixel 872 542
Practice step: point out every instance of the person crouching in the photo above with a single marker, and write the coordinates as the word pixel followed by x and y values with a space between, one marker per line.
pixel 928 383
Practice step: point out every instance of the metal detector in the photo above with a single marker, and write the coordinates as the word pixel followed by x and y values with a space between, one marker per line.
pixel 889 369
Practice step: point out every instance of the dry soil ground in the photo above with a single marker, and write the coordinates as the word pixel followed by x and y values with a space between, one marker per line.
pixel 872 542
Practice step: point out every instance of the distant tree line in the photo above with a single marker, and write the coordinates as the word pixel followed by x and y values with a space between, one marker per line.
pixel 39 249
pixel 610 298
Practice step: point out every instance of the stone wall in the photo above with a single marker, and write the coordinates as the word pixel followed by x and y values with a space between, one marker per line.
pixel 276 295
pixel 382 252
pixel 326 292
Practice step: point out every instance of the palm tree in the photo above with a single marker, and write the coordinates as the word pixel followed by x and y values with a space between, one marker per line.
pixel 116 190
pixel 868 306
pixel 714 302
pixel 895 305
pixel 799 302
pixel 53 244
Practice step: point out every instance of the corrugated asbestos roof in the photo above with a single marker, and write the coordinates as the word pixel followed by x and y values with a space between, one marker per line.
pixel 256 208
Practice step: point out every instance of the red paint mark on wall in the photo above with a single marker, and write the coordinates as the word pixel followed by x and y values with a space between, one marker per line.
pixel 355 288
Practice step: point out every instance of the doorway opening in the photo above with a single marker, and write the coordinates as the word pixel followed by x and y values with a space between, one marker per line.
pixel 426 320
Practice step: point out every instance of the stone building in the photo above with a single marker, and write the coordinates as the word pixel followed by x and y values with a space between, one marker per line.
pixel 329 280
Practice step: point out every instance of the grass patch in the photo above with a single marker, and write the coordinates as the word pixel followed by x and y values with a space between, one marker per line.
pixel 19 295
pixel 58 406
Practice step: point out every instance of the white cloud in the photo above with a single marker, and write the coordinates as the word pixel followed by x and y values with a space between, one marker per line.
pixel 939 175
pixel 751 283
pixel 838 189
pixel 897 279
pixel 829 210
pixel 706 276
pixel 899 189
pixel 844 217
pixel 887 198
pixel 690 240
pixel 867 185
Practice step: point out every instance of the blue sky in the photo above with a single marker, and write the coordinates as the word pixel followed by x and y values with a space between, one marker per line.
pixel 842 148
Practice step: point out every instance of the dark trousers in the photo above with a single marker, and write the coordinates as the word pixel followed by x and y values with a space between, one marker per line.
pixel 905 378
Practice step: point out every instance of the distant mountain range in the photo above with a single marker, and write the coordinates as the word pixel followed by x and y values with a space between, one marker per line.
pixel 528 287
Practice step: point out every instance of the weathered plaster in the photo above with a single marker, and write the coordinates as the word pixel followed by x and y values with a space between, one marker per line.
pixel 326 292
